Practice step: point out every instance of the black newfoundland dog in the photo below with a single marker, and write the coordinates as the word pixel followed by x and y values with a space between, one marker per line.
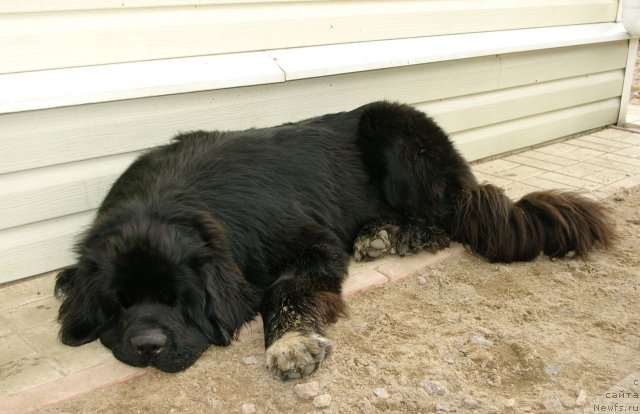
pixel 199 236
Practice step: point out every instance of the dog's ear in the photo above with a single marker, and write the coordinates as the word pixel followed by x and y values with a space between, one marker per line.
pixel 80 314
pixel 229 300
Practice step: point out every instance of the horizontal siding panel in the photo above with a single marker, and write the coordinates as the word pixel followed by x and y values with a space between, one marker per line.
pixel 61 190
pixel 40 247
pixel 508 136
pixel 69 188
pixel 326 60
pixel 31 6
pixel 473 111
pixel 45 89
pixel 55 136
pixel 75 86
pixel 35 41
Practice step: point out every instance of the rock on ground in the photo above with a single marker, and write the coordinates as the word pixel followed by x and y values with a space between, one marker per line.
pixel 307 390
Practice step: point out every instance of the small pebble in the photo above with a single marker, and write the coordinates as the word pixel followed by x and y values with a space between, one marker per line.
pixel 433 387
pixel 552 369
pixel 249 361
pixel 565 278
pixel 568 403
pixel 248 408
pixel 484 331
pixel 422 280
pixel 307 390
pixel 470 403
pixel 511 402
pixel 479 340
pixel 322 401
pixel 381 393
pixel 581 401
pixel 619 197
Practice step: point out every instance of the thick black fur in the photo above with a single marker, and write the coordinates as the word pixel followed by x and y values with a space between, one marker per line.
pixel 199 236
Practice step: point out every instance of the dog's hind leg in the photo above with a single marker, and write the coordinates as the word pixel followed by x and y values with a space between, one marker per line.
pixel 412 161
pixel 402 237
pixel 419 173
pixel 295 309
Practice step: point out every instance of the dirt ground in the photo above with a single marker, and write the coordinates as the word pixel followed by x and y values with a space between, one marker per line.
pixel 463 336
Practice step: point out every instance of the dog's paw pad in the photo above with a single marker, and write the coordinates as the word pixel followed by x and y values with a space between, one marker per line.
pixel 297 354
pixel 370 247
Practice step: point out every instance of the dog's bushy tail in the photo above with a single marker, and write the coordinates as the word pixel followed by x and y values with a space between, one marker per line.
pixel 552 222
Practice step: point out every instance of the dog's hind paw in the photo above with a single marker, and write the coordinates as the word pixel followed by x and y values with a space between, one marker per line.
pixel 297 354
pixel 372 243
pixel 429 238
pixel 399 237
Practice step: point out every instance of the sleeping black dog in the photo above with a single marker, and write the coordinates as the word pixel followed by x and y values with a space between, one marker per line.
pixel 199 236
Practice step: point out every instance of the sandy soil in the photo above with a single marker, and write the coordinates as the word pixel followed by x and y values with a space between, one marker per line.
pixel 463 336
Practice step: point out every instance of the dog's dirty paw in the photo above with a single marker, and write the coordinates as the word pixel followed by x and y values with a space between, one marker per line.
pixel 414 240
pixel 434 239
pixel 369 246
pixel 297 354
pixel 399 237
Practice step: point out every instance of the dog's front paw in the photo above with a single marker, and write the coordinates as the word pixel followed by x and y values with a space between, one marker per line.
pixel 297 354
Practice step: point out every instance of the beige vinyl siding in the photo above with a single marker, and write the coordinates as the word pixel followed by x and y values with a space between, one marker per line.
pixel 532 130
pixel 57 190
pixel 125 126
pixel 56 39
pixel 471 112
pixel 40 247
pixel 25 6
pixel 57 164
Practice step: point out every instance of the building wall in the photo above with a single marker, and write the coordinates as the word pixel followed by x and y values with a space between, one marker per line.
pixel 75 114
pixel 37 34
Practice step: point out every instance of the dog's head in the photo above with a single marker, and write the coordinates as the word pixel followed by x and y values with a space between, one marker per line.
pixel 156 287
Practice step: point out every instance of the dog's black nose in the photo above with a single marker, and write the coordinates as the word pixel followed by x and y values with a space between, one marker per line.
pixel 149 343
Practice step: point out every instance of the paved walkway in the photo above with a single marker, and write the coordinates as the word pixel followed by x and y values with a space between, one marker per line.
pixel 36 370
